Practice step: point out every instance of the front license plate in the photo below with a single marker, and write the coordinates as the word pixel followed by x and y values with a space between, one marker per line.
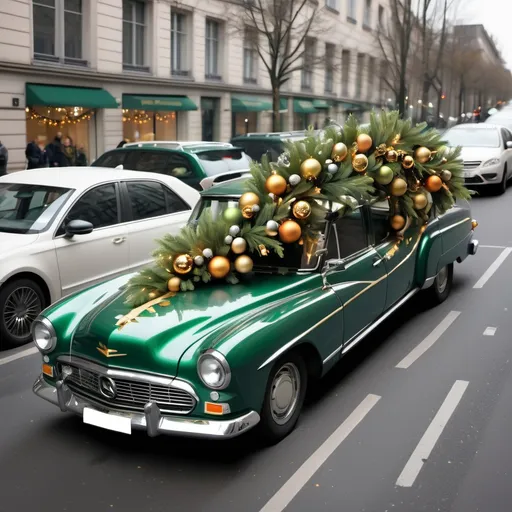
pixel 107 421
pixel 467 174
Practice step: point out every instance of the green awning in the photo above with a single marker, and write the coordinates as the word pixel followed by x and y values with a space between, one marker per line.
pixel 350 106
pixel 61 96
pixel 167 103
pixel 250 103
pixel 303 106
pixel 321 104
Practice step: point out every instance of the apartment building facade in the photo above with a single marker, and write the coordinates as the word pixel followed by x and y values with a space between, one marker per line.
pixel 105 70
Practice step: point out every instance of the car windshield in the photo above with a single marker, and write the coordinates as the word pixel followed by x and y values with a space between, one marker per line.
pixel 220 161
pixel 296 256
pixel 473 137
pixel 27 209
pixel 256 148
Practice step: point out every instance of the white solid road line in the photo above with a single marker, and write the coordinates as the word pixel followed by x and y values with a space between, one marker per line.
pixel 420 349
pixel 495 266
pixel 299 479
pixel 19 355
pixel 490 331
pixel 493 246
pixel 432 434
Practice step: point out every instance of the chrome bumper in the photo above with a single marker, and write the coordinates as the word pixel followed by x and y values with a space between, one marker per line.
pixel 151 420
pixel 473 247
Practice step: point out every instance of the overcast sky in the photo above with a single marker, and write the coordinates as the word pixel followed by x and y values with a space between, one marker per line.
pixel 496 16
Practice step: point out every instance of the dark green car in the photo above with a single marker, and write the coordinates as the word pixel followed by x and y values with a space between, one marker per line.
pixel 198 164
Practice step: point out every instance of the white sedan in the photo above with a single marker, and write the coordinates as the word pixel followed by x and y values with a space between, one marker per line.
pixel 62 230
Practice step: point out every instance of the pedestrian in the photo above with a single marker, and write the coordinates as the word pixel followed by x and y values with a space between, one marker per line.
pixel 36 153
pixel 69 152
pixel 81 157
pixel 53 149
pixel 4 158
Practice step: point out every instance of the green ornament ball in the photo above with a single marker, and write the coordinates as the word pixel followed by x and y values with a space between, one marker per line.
pixel 233 215
pixel 384 175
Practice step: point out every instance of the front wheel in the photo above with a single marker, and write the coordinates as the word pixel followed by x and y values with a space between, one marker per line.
pixel 284 397
pixel 442 286
pixel 502 187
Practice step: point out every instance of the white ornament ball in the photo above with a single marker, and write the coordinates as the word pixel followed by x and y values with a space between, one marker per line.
pixel 198 260
pixel 255 208
pixel 271 228
pixel 208 253
pixel 228 240
pixel 294 180
pixel 328 161
pixel 234 230
pixel 272 196
pixel 332 168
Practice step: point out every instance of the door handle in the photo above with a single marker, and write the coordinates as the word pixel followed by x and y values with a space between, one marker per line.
pixel 377 261
pixel 118 240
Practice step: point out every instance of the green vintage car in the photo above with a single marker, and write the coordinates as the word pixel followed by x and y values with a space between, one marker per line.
pixel 222 359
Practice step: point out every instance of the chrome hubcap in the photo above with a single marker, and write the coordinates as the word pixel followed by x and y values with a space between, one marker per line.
pixel 21 309
pixel 442 279
pixel 284 393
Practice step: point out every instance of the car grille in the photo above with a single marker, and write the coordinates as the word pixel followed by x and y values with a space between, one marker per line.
pixel 471 165
pixel 473 179
pixel 130 394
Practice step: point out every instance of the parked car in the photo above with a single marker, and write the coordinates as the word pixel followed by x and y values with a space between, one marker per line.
pixel 62 230
pixel 487 154
pixel 198 164
pixel 217 361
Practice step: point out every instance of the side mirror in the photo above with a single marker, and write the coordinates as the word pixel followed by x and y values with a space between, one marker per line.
pixel 509 144
pixel 78 227
pixel 329 265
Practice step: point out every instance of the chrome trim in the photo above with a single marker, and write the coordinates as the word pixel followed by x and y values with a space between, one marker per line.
pixel 170 381
pixel 447 228
pixel 151 420
pixel 50 328
pixel 222 361
pixel 473 247
pixel 428 282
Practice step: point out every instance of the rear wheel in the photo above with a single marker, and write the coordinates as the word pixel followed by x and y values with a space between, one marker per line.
pixel 442 286
pixel 21 301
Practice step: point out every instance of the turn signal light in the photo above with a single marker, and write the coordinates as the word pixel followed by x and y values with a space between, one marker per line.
pixel 218 409
pixel 48 370
pixel 474 224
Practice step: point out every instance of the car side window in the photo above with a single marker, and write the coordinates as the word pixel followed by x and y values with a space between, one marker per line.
pixel 149 161
pixel 147 199
pixel 351 234
pixel 174 202
pixel 380 221
pixel 181 167
pixel 111 159
pixel 98 206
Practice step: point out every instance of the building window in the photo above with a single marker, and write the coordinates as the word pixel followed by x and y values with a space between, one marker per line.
pixel 250 56
pixel 372 70
pixel 381 16
pixel 359 75
pixel 179 56
pixel 58 28
pixel 212 49
pixel 351 10
pixel 345 72
pixel 332 4
pixel 329 67
pixel 134 33
pixel 367 20
pixel 308 63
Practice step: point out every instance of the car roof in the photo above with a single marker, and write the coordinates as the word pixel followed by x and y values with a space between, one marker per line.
pixel 299 134
pixel 234 187
pixel 475 126
pixel 76 177
pixel 185 146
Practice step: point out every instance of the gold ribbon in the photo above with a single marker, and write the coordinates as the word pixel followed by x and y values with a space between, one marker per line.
pixel 148 306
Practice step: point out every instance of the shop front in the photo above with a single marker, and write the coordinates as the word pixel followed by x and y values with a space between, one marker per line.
pixel 303 110
pixel 246 110
pixel 71 111
pixel 155 117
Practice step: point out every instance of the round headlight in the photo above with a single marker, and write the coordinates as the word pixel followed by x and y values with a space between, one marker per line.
pixel 44 335
pixel 213 370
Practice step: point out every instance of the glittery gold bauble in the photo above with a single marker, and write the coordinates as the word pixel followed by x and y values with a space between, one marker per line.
pixel 239 245
pixel 446 175
pixel 183 264
pixel 174 284
pixel 420 201
pixel 301 210
pixel 339 152
pixel 219 267
pixel 243 264
pixel 276 184
pixel 392 156
pixel 247 212
pixel 289 231
pixel 310 168
pixel 360 163
pixel 248 199
pixel 433 183
pixel 422 155
pixel 364 142
pixel 397 222
pixel 408 162
pixel 398 187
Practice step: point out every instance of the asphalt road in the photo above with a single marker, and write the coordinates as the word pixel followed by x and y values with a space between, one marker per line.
pixel 416 418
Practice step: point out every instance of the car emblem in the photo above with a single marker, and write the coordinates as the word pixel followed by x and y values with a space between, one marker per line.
pixel 108 352
pixel 107 387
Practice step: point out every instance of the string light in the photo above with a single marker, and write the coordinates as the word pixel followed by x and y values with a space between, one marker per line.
pixel 73 116
pixel 142 117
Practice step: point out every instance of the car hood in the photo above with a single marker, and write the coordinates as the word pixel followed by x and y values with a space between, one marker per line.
pixel 157 339
pixel 479 154
pixel 11 242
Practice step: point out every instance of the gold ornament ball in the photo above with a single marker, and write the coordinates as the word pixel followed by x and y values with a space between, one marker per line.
pixel 301 210
pixel 408 162
pixel 183 264
pixel 289 231
pixel 422 155
pixel 276 184
pixel 219 267
pixel 392 156
pixel 433 183
pixel 310 168
pixel 446 175
pixel 420 201
pixel 398 187
pixel 360 163
pixel 247 212
pixel 239 245
pixel 384 175
pixel 397 222
pixel 174 284
pixel 364 142
pixel 248 199
pixel 339 152
pixel 243 264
